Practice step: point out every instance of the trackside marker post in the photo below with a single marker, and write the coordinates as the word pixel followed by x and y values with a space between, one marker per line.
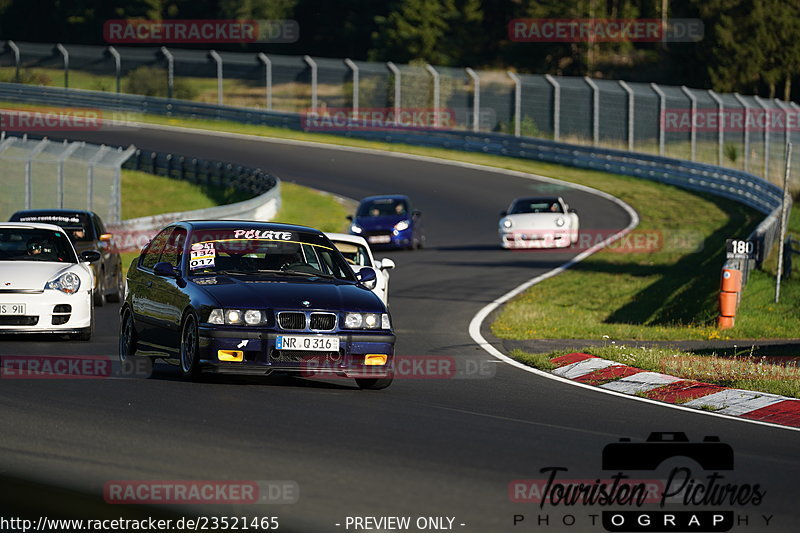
pixel 783 221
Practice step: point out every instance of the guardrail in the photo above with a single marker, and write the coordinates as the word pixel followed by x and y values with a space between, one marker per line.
pixel 737 185
pixel 132 234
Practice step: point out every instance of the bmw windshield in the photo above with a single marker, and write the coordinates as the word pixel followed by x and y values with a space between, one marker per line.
pixel 250 251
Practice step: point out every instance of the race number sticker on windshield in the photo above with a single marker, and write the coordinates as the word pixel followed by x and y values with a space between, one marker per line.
pixel 202 255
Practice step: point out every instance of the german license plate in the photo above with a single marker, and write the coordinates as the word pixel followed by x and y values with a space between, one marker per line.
pixel 306 343
pixel 12 309
pixel 379 239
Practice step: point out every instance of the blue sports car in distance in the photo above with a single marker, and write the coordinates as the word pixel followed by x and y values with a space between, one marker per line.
pixel 254 298
pixel 388 221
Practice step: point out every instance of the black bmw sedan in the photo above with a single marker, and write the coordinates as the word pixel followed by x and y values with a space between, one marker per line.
pixel 254 298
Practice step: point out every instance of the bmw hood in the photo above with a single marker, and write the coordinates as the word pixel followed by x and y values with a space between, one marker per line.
pixel 33 275
pixel 537 221
pixel 280 293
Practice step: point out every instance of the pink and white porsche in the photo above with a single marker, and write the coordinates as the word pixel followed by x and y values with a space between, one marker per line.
pixel 539 222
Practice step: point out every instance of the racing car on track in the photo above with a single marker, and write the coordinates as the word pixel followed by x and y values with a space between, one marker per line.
pixel 358 254
pixel 45 287
pixel 539 222
pixel 388 221
pixel 254 298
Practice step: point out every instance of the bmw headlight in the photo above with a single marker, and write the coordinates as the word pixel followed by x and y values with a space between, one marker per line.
pixel 236 317
pixel 355 228
pixel 560 221
pixel 367 321
pixel 506 223
pixel 400 226
pixel 68 283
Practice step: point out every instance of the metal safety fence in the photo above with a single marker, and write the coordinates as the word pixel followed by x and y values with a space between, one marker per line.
pixel 745 133
pixel 44 174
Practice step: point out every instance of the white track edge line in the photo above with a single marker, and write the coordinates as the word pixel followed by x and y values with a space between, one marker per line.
pixel 480 316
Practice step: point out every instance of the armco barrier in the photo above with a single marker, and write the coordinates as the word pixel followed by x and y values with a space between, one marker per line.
pixel 740 186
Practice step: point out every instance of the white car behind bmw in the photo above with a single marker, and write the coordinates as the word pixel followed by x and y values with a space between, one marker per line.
pixel 539 222
pixel 45 287
pixel 358 254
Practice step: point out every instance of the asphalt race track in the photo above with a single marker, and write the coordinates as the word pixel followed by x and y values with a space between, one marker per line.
pixel 423 447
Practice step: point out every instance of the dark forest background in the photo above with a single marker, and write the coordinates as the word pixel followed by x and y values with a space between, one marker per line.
pixel 750 46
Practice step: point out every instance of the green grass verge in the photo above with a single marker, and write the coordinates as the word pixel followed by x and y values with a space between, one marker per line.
pixel 743 371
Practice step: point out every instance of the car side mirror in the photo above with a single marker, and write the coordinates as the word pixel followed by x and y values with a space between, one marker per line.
pixel 570 210
pixel 416 213
pixel 90 256
pixel 349 217
pixel 165 269
pixel 367 277
pixel 503 213
pixel 385 263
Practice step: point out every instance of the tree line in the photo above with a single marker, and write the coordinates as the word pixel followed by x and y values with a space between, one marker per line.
pixel 750 46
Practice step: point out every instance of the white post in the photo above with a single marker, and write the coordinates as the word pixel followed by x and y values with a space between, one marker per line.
pixel 313 64
pixel 397 89
pixel 62 157
pixel 65 54
pixel 90 175
pixel 218 60
pixel 783 222
pixel 766 135
pixel 786 117
pixel 595 110
pixel 556 106
pixel 117 64
pixel 517 102
pixel 628 90
pixel 720 125
pixel 746 131
pixel 354 68
pixel 28 171
pixel 268 79
pixel 476 99
pixel 170 71
pixel 15 50
pixel 692 125
pixel 662 110
pixel 437 122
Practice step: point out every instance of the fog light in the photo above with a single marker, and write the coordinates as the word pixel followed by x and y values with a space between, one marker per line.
pixel 375 359
pixel 235 356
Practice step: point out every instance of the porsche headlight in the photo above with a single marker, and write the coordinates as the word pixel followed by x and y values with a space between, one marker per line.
pixel 400 226
pixel 68 283
pixel 506 223
pixel 355 228
pixel 367 321
pixel 560 221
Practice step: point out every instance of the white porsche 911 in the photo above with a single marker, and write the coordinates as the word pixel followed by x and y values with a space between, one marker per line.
pixel 539 222
pixel 45 287
pixel 358 254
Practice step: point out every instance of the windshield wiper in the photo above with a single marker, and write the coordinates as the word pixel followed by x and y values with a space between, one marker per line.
pixel 308 274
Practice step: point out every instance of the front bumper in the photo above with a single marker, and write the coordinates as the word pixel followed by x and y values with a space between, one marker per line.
pixel 535 239
pixel 261 356
pixel 42 314
pixel 389 238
